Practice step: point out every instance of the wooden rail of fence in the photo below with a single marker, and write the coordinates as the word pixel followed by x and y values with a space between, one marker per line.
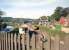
pixel 14 41
pixel 10 41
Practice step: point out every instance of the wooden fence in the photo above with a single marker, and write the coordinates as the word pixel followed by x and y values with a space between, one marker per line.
pixel 10 41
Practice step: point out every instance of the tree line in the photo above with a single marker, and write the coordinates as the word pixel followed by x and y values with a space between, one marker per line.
pixel 58 13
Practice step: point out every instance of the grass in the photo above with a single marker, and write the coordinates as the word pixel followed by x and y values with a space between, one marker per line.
pixel 52 32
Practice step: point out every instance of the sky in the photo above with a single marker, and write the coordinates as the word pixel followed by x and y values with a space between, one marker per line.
pixel 30 8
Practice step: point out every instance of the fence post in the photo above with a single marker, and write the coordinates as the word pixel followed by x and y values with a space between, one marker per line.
pixel 48 46
pixel 15 41
pixel 57 42
pixel 1 41
pixel 27 40
pixel 62 45
pixel 45 41
pixel 22 41
pixel 33 42
pixel 18 41
pixel 11 41
pixel 0 44
pixel 4 40
pixel 38 42
pixel 52 43
pixel 66 41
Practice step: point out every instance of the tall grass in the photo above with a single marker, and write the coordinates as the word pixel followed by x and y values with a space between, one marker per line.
pixel 52 32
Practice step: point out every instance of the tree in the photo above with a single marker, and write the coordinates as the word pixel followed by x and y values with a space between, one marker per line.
pixel 49 18
pixel 56 15
pixel 65 12
pixel 43 17
pixel 2 25
pixel 1 13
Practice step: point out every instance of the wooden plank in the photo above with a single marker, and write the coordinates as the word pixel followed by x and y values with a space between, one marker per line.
pixel 22 41
pixel 0 40
pixel 19 42
pixel 45 41
pixel 27 41
pixel 38 42
pixel 4 40
pixel 15 41
pixel 11 41
pixel 66 42
pixel 62 47
pixel 33 42
pixel 52 44
pixel 57 42
pixel 0 44
pixel 48 43
pixel 7 42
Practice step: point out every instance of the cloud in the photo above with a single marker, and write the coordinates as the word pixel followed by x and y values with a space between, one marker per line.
pixel 19 13
pixel 30 0
pixel 30 8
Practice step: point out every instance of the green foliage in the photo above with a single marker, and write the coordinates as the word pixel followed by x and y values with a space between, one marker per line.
pixel 49 18
pixel 43 17
pixel 16 30
pixel 58 27
pixel 1 13
pixel 56 15
pixel 1 20
pixel 52 32
pixel 65 12
pixel 2 25
pixel 7 19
